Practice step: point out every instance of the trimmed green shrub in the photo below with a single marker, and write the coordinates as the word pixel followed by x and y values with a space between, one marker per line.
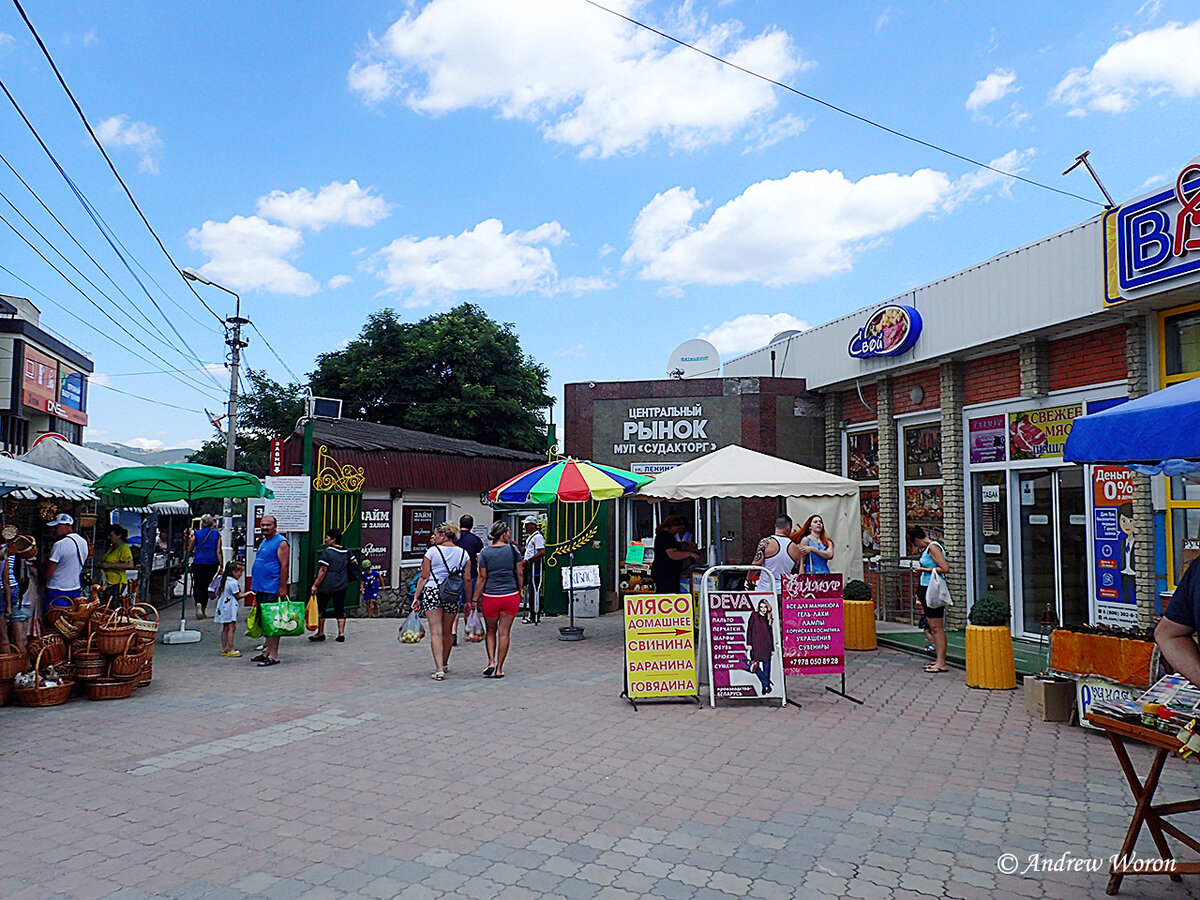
pixel 990 610
pixel 857 590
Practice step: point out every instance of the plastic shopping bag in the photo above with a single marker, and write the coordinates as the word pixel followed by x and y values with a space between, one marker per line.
pixel 475 629
pixel 283 618
pixel 312 614
pixel 937 595
pixel 253 626
pixel 412 630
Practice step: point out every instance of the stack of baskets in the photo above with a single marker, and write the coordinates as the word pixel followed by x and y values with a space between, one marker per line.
pixel 105 654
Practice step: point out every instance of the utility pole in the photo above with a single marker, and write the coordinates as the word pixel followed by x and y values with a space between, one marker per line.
pixel 233 339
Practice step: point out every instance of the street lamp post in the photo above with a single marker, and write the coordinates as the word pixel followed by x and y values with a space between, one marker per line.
pixel 233 337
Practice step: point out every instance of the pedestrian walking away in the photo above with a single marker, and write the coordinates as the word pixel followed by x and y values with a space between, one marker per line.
pixel 498 594
pixel 531 569
pixel 64 569
pixel 933 559
pixel 269 577
pixel 439 586
pixel 329 588
pixel 208 558
pixel 472 544
pixel 228 600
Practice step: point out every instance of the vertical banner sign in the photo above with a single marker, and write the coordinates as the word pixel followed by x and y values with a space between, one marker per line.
pixel 276 456
pixel 744 646
pixel 377 534
pixel 814 639
pixel 660 646
pixel 1113 533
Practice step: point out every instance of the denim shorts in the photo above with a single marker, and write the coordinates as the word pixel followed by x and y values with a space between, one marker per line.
pixel 22 609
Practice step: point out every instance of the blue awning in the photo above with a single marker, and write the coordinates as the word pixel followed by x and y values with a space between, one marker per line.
pixel 1156 433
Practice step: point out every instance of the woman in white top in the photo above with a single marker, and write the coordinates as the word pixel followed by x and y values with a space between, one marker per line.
pixel 438 591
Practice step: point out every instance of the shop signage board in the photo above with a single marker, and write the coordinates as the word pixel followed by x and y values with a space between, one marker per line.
pixel 744 646
pixel 377 533
pixel 290 507
pixel 988 439
pixel 1097 690
pixel 276 456
pixel 654 430
pixel 1152 244
pixel 813 625
pixel 1113 538
pixel 1041 433
pixel 890 331
pixel 660 646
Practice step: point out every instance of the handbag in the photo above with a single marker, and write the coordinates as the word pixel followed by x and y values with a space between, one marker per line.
pixel 353 570
pixel 937 595
pixel 283 618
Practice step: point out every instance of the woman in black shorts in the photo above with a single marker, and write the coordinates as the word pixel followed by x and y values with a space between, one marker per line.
pixel 330 585
pixel 933 558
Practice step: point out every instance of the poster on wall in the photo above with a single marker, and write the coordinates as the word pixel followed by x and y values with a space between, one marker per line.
pixel 862 456
pixel 813 625
pixel 869 506
pixel 987 439
pixel 923 506
pixel 417 524
pixel 923 451
pixel 1041 433
pixel 744 646
pixel 290 507
pixel 1114 537
pixel 377 534
pixel 660 646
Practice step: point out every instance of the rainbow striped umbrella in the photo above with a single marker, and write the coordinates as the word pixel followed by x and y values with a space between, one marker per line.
pixel 568 481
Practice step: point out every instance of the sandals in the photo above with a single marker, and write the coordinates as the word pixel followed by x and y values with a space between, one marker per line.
pixel 268 661
pixel 489 671
pixel 438 676
pixel 259 658
pixel 934 670
pixel 498 675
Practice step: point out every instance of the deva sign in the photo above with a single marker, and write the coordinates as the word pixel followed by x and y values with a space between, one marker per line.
pixel 890 331
pixel 1153 243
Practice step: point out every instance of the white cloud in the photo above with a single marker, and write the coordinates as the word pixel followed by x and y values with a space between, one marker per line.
pixel 339 281
pixel 103 380
pixel 774 132
pixel 884 19
pixel 805 226
pixel 751 331
pixel 485 260
pixel 589 79
pixel 1159 61
pixel 995 87
pixel 334 204
pixel 6 39
pixel 574 350
pixel 119 132
pixel 141 443
pixel 248 253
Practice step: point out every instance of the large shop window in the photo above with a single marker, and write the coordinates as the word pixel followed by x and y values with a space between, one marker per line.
pixel 862 465
pixel 1179 353
pixel 923 451
pixel 418 522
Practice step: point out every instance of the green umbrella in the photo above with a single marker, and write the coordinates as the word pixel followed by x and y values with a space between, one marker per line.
pixel 144 485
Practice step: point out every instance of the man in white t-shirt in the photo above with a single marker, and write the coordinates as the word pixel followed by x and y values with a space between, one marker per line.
pixel 531 565
pixel 65 566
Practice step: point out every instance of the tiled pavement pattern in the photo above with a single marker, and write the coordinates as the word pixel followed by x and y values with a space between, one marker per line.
pixel 347 772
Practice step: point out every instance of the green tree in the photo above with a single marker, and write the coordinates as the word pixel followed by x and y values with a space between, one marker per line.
pixel 267 410
pixel 457 373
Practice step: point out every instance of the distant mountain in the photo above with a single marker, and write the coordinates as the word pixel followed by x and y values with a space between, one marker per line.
pixel 146 457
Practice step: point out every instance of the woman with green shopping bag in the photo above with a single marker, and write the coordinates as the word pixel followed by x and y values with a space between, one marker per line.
pixel 269 581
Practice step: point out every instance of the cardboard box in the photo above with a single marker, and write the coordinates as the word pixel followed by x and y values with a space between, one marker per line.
pixel 1049 701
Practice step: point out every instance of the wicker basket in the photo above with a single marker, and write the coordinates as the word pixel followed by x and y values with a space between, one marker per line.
pixel 110 689
pixel 11 664
pixel 90 664
pixel 111 632
pixel 24 546
pixel 145 621
pixel 58 619
pixel 129 661
pixel 43 696
pixel 52 645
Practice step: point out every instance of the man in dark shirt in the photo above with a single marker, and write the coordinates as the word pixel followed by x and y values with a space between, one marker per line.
pixel 1176 631
pixel 470 542
pixel 669 556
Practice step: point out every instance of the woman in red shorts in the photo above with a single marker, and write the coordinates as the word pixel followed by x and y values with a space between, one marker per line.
pixel 498 593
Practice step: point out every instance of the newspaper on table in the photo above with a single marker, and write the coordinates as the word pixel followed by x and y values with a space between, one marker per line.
pixel 1173 691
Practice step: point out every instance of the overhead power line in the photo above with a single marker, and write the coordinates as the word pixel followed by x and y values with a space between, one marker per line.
pixel 109 387
pixel 837 109
pixel 112 167
pixel 295 378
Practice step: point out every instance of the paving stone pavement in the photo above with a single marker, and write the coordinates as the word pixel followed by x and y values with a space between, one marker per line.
pixel 347 772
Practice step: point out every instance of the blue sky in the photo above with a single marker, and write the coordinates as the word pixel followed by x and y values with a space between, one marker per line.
pixel 609 193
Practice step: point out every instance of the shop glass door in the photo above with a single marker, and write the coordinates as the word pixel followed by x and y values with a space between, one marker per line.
pixel 991 535
pixel 1052 542
pixel 1039 573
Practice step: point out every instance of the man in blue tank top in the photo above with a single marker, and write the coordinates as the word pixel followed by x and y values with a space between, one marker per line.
pixel 269 580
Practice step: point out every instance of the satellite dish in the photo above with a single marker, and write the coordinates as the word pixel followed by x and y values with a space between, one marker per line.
pixel 694 359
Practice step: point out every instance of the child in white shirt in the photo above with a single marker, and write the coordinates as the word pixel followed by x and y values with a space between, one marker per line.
pixel 227 605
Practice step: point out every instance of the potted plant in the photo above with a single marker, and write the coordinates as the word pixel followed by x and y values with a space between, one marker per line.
pixel 990 662
pixel 859 610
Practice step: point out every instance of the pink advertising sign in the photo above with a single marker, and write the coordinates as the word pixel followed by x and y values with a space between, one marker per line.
pixel 988 439
pixel 744 646
pixel 814 639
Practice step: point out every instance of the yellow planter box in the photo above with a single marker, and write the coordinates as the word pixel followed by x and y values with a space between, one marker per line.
pixel 990 662
pixel 860 624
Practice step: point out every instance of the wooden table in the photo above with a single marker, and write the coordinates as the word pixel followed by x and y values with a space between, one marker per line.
pixel 1145 810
